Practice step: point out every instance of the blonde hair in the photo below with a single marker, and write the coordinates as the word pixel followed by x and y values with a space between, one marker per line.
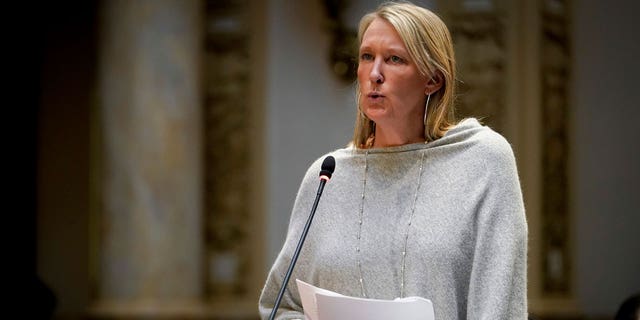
pixel 430 47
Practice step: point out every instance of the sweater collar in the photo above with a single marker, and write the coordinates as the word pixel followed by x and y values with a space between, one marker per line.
pixel 460 132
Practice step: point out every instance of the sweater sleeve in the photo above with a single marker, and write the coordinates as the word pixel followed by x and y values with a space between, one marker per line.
pixel 498 282
pixel 290 306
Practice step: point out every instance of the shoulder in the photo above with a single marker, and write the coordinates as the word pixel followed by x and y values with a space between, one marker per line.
pixel 339 155
pixel 488 145
pixel 494 144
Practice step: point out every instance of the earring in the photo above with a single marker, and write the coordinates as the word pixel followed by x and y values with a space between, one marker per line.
pixel 426 109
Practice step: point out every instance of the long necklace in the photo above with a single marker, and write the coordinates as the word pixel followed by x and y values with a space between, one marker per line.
pixel 408 226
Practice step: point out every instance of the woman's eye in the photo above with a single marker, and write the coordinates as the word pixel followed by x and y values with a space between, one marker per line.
pixel 366 56
pixel 395 59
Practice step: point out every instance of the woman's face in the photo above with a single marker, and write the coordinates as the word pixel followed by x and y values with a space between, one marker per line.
pixel 392 90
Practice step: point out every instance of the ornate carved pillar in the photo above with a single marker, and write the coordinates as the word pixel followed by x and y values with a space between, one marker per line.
pixel 234 156
pixel 148 252
pixel 555 245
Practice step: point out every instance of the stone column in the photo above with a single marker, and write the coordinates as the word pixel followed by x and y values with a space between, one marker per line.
pixel 149 244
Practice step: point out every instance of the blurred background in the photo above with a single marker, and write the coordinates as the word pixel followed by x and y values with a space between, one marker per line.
pixel 161 143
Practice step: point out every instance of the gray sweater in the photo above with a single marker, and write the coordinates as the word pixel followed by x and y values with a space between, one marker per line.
pixel 467 245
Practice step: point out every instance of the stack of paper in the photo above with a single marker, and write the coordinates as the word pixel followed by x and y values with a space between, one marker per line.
pixel 321 304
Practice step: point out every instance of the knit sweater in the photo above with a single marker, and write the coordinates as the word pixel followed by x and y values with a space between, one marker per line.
pixel 467 242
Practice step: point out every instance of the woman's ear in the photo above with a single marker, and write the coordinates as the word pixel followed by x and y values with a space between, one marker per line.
pixel 434 83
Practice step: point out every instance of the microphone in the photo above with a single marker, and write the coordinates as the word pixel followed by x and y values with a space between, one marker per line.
pixel 328 166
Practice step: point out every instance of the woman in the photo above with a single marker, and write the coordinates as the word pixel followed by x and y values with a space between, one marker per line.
pixel 419 205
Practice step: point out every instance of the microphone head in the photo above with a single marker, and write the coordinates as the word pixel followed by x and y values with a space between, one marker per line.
pixel 328 166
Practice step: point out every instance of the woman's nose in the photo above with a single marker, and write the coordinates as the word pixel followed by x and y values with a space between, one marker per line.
pixel 376 72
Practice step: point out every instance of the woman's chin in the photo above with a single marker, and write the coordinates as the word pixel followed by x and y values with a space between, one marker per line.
pixel 374 113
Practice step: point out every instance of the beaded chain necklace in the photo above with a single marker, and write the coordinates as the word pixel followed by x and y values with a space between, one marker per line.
pixel 406 236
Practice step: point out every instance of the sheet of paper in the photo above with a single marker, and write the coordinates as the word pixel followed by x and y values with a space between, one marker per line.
pixel 321 304
pixel 308 297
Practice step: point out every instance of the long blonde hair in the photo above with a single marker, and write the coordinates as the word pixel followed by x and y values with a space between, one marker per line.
pixel 430 46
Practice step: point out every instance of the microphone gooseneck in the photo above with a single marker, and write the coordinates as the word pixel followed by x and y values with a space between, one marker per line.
pixel 326 171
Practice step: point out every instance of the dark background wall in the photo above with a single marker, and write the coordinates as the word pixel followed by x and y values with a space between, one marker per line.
pixel 605 155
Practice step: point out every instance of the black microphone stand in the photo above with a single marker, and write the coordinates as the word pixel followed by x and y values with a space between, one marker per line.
pixel 328 165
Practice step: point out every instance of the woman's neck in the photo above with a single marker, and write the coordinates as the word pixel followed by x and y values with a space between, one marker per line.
pixel 391 138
